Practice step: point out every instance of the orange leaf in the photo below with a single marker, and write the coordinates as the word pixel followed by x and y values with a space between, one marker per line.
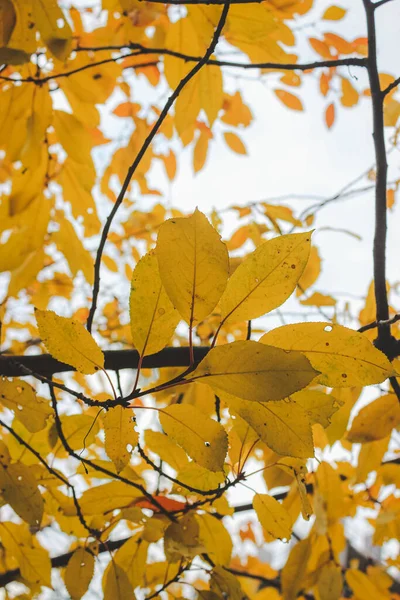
pixel 330 115
pixel 235 143
pixel 290 100
pixel 167 503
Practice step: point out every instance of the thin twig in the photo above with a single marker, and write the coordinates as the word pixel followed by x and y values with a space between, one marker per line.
pixel 141 153
pixel 377 324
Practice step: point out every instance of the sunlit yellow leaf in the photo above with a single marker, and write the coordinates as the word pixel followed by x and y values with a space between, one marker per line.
pixel 33 560
pixel 68 242
pixel 166 449
pixel 19 489
pixel 248 370
pixel 193 263
pixel 266 278
pixel 153 317
pixel 132 558
pixel 116 585
pixel 68 341
pixel 225 585
pixel 334 13
pixel 364 587
pixel 294 571
pixel 273 517
pixel 376 420
pixel 19 396
pixel 216 539
pixel 202 438
pixel 350 95
pixel 330 582
pixel 119 433
pixel 79 573
pixel 344 357
pixel 283 425
pixel 107 497
pixel 311 272
pixel 53 27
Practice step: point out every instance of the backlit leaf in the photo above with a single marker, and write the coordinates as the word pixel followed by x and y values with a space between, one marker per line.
pixel 202 438
pixel 289 99
pixel 119 433
pixel 19 489
pixel 79 573
pixel 116 585
pixel 344 357
pixel 266 278
pixel 19 396
pixel 215 538
pixel 235 143
pixel 273 517
pixel 193 263
pixel 32 559
pixel 334 13
pixel 153 317
pixel 376 420
pixel 68 341
pixel 248 370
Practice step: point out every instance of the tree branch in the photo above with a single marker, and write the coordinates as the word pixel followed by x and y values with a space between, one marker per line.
pixel 391 87
pixel 384 339
pixel 46 365
pixel 141 153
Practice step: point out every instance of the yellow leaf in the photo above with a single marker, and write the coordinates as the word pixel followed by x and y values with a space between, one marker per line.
pixel 370 458
pixel 266 278
pixel 319 407
pixel 166 449
pixel 318 299
pixel 79 430
pixel 68 242
pixel 119 432
pixel 181 37
pixel 116 585
pixel 68 341
pixel 330 582
pixel 349 93
pixel 53 28
pixel 19 489
pixel 283 425
pixel 273 517
pixel 376 420
pixel 199 477
pixel 33 560
pixel 107 497
pixel 211 91
pixel 38 122
pixel 311 272
pixel 234 142
pixel 251 371
pixel 193 263
pixel 19 396
pixel 225 584
pixel 289 99
pixel 79 573
pixel 23 35
pixel 334 13
pixel 202 438
pixel 181 539
pixel 153 316
pixel 293 573
pixel 216 539
pixel 344 357
pixel 200 151
pixel 132 558
pixel 363 587
pixel 73 137
pixel 25 274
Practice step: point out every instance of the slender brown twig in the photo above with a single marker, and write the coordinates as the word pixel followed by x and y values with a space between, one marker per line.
pixel 146 144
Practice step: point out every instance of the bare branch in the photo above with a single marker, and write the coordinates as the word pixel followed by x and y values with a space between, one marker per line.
pixel 141 153
pixel 391 87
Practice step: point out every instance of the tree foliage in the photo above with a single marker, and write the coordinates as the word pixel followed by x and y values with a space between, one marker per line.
pixel 139 393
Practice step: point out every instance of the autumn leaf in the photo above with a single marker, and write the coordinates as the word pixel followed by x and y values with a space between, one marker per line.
pixel 79 573
pixel 252 371
pixel 376 420
pixel 344 357
pixel 266 278
pixel 69 342
pixel 19 396
pixel 202 438
pixel 273 517
pixel 119 434
pixel 193 263
pixel 153 316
